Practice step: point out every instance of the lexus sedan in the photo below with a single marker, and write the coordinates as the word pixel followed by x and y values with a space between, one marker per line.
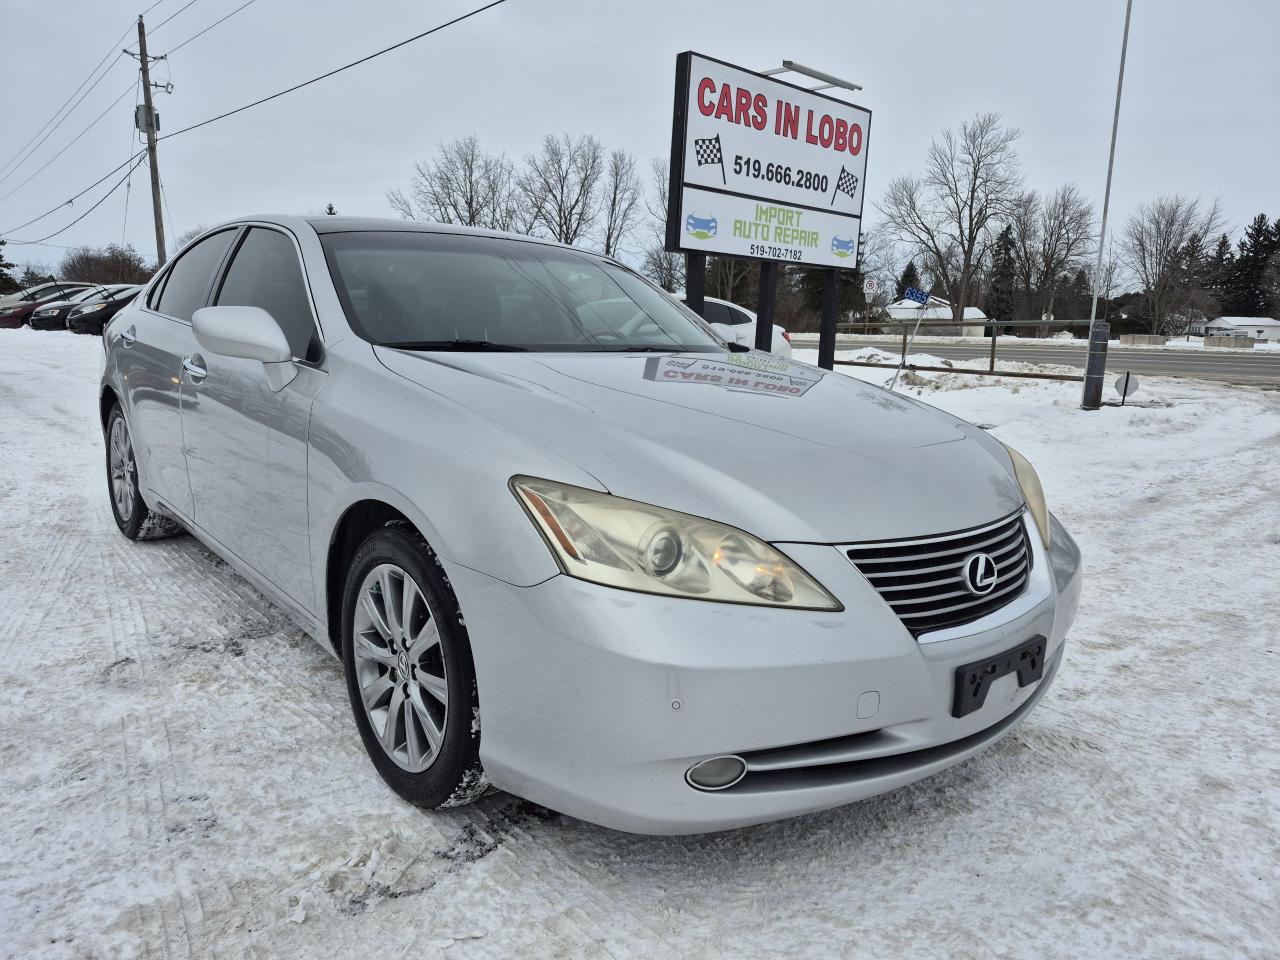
pixel 586 554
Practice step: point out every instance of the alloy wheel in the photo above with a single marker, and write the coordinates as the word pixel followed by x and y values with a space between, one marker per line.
pixel 400 667
pixel 124 471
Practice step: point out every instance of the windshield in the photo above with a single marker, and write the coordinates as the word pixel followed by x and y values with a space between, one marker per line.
pixel 448 292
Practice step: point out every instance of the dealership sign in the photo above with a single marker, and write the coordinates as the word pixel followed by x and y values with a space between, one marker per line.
pixel 764 169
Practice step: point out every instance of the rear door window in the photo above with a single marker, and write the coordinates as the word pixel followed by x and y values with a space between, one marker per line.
pixel 265 273
pixel 187 286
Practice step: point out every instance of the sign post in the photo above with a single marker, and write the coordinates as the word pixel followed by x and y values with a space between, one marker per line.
pixel 765 170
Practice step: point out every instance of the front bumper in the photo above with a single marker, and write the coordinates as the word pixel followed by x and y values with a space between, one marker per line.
pixel 596 701
pixel 58 322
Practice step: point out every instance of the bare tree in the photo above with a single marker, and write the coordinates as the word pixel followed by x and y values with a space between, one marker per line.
pixel 970 181
pixel 462 184
pixel 560 185
pixel 1051 239
pixel 113 263
pixel 660 265
pixel 621 205
pixel 1154 246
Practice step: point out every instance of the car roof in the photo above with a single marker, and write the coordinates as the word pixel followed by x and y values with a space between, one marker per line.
pixel 338 224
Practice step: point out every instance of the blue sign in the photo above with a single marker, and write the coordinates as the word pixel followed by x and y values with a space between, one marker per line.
pixel 919 296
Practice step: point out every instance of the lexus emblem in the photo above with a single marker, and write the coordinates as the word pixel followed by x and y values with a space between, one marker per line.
pixel 979 574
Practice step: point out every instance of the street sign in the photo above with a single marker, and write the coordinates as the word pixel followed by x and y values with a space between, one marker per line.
pixel 764 169
pixel 870 286
pixel 919 296
pixel 1126 386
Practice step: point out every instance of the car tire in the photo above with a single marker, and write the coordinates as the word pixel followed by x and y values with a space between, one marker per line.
pixel 135 519
pixel 409 671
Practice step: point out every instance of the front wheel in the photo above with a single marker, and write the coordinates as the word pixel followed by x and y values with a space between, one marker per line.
pixel 410 676
pixel 135 519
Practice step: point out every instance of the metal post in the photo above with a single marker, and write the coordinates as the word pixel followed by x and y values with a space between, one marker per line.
pixel 151 142
pixel 1106 203
pixel 905 344
pixel 994 329
pixel 764 308
pixel 1095 366
pixel 695 282
pixel 827 331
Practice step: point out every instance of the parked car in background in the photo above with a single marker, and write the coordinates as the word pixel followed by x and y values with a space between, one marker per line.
pixel 16 313
pixel 52 314
pixel 738 325
pixel 92 315
pixel 45 291
pixel 637 577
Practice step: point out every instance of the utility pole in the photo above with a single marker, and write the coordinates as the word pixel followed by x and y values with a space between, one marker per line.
pixel 151 142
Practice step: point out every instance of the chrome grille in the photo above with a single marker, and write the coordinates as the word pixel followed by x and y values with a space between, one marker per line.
pixel 923 580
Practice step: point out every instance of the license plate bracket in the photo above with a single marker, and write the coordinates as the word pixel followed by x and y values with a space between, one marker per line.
pixel 973 680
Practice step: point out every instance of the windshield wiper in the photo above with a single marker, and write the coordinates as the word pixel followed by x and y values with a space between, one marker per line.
pixel 477 346
pixel 648 349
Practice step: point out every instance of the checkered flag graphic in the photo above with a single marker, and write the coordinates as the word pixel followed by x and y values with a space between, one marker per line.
pixel 845 183
pixel 708 151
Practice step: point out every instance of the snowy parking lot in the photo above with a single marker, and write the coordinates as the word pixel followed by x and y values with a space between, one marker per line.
pixel 181 776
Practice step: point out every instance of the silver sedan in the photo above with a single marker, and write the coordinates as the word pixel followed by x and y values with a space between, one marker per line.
pixel 565 541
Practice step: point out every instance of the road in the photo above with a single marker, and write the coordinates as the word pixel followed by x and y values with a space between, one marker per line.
pixel 1262 367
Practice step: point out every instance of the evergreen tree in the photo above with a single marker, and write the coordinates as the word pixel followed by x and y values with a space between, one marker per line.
pixel 1002 287
pixel 1219 273
pixel 8 283
pixel 331 210
pixel 1255 251
pixel 910 278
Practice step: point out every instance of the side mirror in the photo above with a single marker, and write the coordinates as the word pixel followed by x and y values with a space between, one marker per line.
pixel 249 333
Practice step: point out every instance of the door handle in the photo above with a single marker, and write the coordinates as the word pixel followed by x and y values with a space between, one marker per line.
pixel 194 367
pixel 128 336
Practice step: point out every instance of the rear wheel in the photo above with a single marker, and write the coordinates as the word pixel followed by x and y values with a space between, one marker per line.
pixel 410 676
pixel 135 519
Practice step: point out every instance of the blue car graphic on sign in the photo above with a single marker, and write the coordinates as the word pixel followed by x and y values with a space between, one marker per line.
pixel 704 228
pixel 843 248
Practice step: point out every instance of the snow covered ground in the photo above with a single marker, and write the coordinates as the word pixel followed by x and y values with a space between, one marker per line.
pixel 181 777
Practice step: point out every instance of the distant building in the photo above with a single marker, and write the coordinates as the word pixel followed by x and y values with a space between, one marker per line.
pixel 1260 328
pixel 938 309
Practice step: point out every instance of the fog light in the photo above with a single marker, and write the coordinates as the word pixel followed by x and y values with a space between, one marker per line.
pixel 717 773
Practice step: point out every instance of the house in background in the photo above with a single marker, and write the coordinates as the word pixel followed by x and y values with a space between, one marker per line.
pixel 938 309
pixel 1260 328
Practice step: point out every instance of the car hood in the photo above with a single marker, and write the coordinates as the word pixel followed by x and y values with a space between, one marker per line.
pixel 785 450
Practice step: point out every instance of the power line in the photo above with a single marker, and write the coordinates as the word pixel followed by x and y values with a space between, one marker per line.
pixel 39 143
pixel 255 103
pixel 124 93
pixel 334 72
pixel 172 15
pixel 100 202
pixel 113 49
pixel 208 28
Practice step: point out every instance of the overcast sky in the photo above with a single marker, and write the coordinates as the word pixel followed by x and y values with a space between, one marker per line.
pixel 1199 114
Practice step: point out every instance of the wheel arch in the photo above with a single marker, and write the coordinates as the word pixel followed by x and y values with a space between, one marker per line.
pixel 107 398
pixel 359 520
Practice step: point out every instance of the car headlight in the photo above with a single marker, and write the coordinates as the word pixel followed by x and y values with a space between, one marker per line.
pixel 87 308
pixel 623 543
pixel 1031 489
pixel 5 311
pixel 46 313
